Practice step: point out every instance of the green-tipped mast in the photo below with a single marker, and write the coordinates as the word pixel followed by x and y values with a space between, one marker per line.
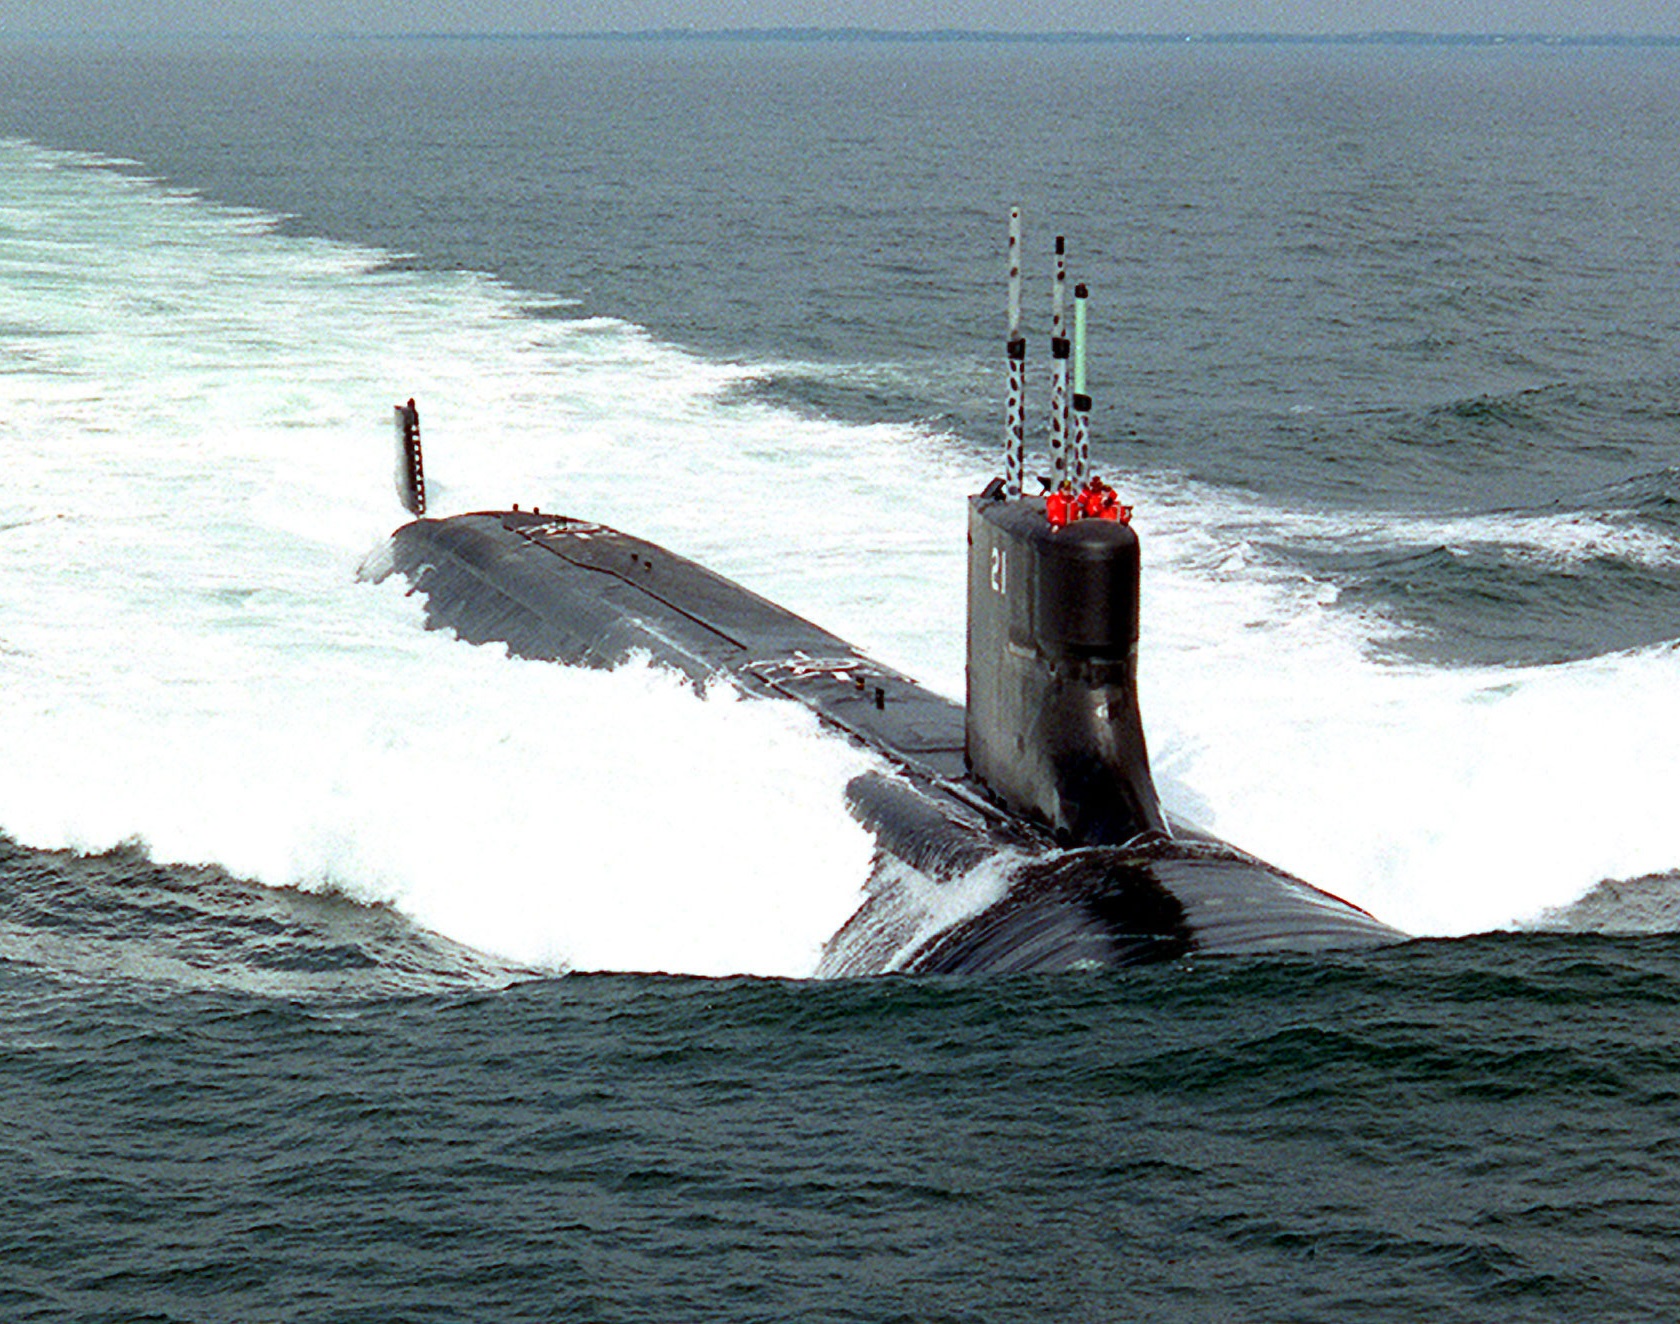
pixel 1070 456
pixel 1081 401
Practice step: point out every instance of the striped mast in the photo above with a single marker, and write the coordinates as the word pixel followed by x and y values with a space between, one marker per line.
pixel 1015 410
pixel 1059 367
pixel 411 471
pixel 1081 401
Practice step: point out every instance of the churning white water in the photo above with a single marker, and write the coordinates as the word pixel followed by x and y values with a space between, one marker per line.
pixel 194 420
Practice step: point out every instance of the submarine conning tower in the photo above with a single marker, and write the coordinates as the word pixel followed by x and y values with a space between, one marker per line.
pixel 1053 726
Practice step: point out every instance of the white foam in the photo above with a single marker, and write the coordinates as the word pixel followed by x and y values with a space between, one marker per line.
pixel 196 471
pixel 195 415
pixel 928 907
pixel 1552 539
pixel 1446 801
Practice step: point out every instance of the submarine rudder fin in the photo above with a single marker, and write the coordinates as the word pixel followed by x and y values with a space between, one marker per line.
pixel 411 469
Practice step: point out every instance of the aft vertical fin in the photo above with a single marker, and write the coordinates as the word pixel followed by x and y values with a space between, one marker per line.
pixel 411 471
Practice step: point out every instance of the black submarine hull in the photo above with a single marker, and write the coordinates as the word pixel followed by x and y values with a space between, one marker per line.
pixel 966 881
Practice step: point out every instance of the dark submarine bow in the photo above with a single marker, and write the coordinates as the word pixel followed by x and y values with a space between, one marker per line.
pixel 1040 786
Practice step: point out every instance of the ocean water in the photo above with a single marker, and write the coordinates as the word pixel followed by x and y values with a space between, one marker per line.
pixel 355 973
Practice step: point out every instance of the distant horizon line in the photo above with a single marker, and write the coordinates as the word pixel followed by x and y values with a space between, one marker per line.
pixel 991 36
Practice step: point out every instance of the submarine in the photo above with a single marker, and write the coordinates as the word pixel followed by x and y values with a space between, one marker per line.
pixel 1039 784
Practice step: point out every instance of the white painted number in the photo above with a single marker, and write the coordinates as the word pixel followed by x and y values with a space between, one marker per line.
pixel 1000 571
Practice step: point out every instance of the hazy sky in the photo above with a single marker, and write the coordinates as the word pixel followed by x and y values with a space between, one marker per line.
pixel 1642 17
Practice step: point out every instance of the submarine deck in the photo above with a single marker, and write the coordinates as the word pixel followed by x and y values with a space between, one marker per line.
pixel 567 590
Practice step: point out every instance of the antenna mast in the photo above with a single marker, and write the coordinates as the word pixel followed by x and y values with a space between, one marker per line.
pixel 1081 401
pixel 1059 377
pixel 1015 410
